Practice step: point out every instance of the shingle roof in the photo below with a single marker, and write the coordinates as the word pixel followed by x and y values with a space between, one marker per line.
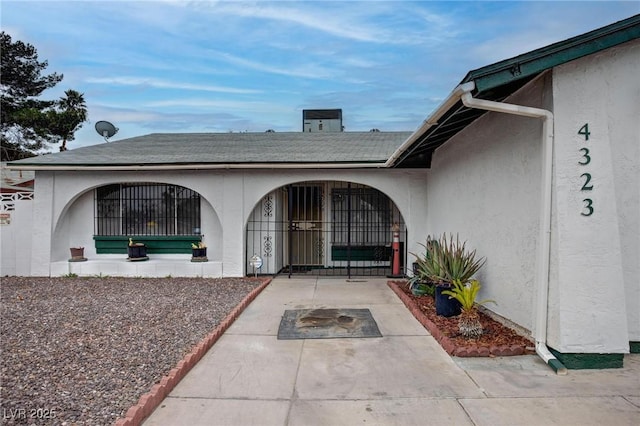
pixel 231 148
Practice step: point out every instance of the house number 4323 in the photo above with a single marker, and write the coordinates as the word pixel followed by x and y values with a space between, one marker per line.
pixel 585 160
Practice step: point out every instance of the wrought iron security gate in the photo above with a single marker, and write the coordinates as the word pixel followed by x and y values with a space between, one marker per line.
pixel 325 228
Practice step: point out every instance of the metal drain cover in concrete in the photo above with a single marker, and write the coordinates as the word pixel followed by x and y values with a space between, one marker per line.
pixel 327 324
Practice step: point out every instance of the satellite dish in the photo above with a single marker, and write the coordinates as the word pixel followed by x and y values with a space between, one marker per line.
pixel 106 129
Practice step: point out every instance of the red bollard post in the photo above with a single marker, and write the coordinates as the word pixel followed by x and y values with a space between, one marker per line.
pixel 395 249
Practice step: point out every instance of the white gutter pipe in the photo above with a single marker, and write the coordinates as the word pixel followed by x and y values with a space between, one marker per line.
pixel 432 120
pixel 542 276
pixel 463 92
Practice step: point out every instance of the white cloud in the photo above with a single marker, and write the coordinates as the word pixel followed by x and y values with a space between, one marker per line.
pixel 218 65
pixel 329 18
pixel 163 84
pixel 223 105
pixel 359 21
pixel 307 70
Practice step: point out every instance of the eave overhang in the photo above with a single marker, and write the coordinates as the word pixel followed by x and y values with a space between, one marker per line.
pixel 209 166
pixel 498 81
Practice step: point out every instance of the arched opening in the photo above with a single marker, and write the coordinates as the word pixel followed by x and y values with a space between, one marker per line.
pixel 324 228
pixel 166 217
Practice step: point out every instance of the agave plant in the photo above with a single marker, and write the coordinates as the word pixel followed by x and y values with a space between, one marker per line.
pixel 469 319
pixel 428 267
pixel 418 286
pixel 455 261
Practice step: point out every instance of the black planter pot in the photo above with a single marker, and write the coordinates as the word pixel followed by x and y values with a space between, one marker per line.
pixel 138 251
pixel 199 254
pixel 445 306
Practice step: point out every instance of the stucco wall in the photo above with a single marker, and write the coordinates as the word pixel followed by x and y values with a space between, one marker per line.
pixel 597 256
pixel 228 198
pixel 265 222
pixel 484 185
pixel 15 236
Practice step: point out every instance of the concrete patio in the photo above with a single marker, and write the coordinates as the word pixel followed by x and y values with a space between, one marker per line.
pixel 249 377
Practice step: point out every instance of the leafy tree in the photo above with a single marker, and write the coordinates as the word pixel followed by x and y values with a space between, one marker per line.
pixel 29 124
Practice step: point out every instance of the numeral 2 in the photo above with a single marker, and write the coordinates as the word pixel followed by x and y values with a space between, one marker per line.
pixel 586 186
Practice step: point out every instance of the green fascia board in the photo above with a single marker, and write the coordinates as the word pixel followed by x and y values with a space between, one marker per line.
pixel 634 347
pixel 536 61
pixel 156 244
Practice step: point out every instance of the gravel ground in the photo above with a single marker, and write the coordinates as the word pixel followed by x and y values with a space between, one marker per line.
pixel 81 351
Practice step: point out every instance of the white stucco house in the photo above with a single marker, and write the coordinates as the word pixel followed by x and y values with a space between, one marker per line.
pixel 534 161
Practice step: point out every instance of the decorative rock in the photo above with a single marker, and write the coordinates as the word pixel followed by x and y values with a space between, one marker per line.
pixel 91 347
pixel 448 344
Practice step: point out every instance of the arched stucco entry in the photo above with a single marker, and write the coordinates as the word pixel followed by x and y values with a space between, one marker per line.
pixel 75 224
pixel 324 227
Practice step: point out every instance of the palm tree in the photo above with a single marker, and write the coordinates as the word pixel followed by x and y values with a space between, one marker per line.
pixel 71 113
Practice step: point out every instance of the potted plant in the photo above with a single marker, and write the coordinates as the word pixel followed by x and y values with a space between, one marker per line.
pixel 425 270
pixel 198 252
pixel 77 254
pixel 455 263
pixel 469 320
pixel 136 251
pixel 419 287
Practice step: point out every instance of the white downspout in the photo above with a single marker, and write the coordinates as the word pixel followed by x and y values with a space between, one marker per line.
pixel 431 121
pixel 542 273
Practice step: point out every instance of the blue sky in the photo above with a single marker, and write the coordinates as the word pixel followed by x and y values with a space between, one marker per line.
pixel 221 66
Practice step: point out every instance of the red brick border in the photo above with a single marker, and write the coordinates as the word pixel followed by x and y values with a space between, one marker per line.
pixel 152 399
pixel 447 344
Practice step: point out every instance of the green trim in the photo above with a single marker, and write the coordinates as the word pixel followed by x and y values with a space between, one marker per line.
pixel 365 253
pixel 634 347
pixel 156 244
pixel 557 367
pixel 583 361
pixel 372 253
pixel 536 61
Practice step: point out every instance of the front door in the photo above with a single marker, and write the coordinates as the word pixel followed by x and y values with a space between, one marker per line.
pixel 306 243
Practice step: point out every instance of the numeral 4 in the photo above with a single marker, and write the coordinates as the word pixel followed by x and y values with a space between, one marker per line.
pixel 584 131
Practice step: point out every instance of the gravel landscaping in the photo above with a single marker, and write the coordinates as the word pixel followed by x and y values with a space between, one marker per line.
pixel 81 351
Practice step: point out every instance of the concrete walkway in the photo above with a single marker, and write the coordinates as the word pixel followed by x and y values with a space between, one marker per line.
pixel 404 378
